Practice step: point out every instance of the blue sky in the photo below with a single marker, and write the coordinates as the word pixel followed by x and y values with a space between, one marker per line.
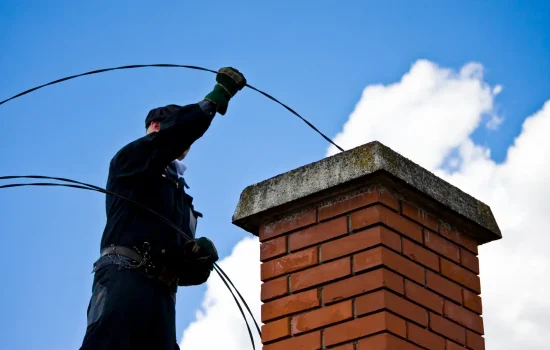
pixel 315 56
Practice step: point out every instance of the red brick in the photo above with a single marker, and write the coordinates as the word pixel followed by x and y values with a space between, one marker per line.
pixel 380 214
pixel 322 317
pixel 474 341
pixel 424 337
pixel 453 346
pixel 469 261
pixel 318 233
pixel 274 288
pixel 275 330
pixel 385 341
pixel 290 304
pixel 365 217
pixel 423 296
pixel 289 263
pixel 387 198
pixel 358 201
pixel 464 317
pixel 383 256
pixel 423 256
pixel 348 204
pixel 350 346
pixel 447 329
pixel 364 326
pixel 439 244
pixel 418 215
pixel 444 287
pixel 386 300
pixel 363 283
pixel 472 301
pixel 460 238
pixel 273 248
pixel 371 302
pixel 360 241
pixel 285 225
pixel 310 341
pixel 400 224
pixel 320 274
pixel 460 275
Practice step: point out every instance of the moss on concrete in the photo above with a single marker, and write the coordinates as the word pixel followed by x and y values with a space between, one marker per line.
pixel 353 166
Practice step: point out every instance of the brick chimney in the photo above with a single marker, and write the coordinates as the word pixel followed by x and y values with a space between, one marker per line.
pixel 367 250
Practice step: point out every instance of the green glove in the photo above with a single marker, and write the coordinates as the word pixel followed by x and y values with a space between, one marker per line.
pixel 229 82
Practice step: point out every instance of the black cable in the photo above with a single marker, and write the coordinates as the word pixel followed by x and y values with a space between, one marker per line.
pixel 90 187
pixel 165 65
pixel 241 309
pixel 102 71
pixel 81 185
pixel 85 186
pixel 219 270
pixel 245 304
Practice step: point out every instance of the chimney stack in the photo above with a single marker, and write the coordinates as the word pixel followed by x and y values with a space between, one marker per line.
pixel 367 250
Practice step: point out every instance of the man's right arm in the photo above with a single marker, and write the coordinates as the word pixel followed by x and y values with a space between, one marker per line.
pixel 152 153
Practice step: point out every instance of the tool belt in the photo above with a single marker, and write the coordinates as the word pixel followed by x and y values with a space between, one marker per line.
pixel 164 274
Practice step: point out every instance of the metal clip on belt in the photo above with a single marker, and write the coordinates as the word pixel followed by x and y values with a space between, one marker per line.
pixel 127 252
pixel 166 276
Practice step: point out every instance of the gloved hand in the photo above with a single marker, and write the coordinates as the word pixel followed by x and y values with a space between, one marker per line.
pixel 199 257
pixel 193 275
pixel 229 82
pixel 202 251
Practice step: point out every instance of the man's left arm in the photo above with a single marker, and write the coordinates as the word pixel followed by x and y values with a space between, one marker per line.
pixel 199 258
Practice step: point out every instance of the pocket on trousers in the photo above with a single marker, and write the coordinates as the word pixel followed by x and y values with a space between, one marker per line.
pixel 97 303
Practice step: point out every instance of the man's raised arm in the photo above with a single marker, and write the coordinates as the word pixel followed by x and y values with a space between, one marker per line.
pixel 180 127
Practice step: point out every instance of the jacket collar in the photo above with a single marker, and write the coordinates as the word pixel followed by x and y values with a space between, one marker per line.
pixel 175 170
pixel 179 167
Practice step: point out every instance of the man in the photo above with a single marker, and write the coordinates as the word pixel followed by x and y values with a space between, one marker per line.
pixel 144 260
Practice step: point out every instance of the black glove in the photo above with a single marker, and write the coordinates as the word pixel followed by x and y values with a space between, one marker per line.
pixel 229 82
pixel 193 275
pixel 201 250
pixel 198 258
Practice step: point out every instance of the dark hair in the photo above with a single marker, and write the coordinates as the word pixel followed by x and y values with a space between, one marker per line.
pixel 160 113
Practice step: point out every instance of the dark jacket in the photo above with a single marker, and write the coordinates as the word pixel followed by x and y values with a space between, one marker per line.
pixel 140 171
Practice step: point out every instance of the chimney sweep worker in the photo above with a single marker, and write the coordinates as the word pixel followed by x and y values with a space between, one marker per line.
pixel 142 259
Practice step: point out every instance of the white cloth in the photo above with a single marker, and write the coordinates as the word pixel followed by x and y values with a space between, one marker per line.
pixel 180 167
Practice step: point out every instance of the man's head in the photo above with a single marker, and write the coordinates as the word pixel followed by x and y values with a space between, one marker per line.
pixel 159 114
pixel 155 118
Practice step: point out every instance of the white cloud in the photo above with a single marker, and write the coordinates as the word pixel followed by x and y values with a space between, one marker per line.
pixel 432 112
pixel 515 270
pixel 432 108
pixel 494 122
pixel 429 116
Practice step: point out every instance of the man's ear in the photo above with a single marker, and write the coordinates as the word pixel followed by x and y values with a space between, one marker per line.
pixel 153 127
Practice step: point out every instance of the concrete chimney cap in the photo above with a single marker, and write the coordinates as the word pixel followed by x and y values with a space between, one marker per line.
pixel 369 164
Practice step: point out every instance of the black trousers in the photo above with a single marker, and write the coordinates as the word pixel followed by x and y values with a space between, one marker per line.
pixel 129 310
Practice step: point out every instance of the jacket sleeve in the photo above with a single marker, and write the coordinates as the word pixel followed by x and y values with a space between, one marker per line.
pixel 151 154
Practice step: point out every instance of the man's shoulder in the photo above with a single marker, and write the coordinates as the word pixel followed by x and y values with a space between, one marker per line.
pixel 130 153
